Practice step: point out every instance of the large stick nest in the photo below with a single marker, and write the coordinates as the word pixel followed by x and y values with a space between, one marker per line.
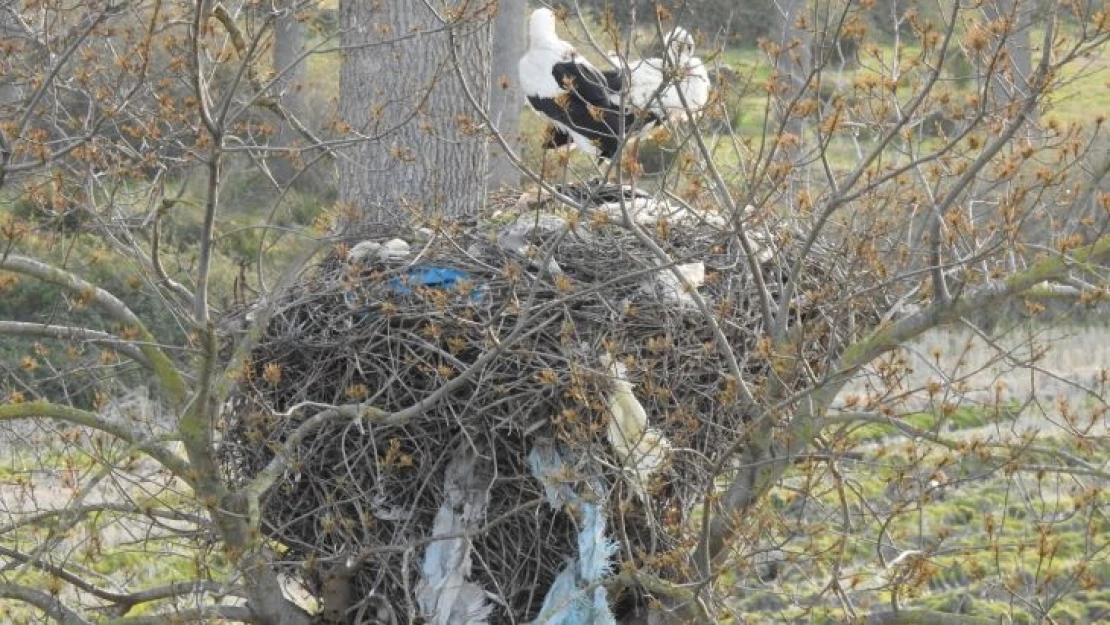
pixel 364 496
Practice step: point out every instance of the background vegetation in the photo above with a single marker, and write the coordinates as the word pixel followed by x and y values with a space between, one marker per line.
pixel 958 476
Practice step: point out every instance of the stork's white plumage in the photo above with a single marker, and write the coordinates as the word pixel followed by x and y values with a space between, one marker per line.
pixel 582 102
pixel 660 85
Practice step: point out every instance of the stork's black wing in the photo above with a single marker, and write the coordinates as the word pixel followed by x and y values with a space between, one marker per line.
pixel 554 138
pixel 592 109
pixel 614 80
pixel 588 83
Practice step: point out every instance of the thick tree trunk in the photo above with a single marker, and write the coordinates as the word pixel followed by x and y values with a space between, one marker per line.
pixel 506 100
pixel 423 152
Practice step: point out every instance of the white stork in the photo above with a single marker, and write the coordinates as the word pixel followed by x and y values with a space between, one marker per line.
pixel 582 102
pixel 661 85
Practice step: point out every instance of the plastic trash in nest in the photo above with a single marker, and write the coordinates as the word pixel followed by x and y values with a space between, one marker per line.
pixel 434 277
pixel 425 276
pixel 667 285
pixel 642 450
pixel 445 590
pixel 515 237
pixel 569 601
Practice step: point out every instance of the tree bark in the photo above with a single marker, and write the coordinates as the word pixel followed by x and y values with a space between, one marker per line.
pixel 9 93
pixel 290 35
pixel 1011 79
pixel 421 152
pixel 795 60
pixel 506 100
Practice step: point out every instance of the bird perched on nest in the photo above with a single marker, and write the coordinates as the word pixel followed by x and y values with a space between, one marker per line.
pixel 641 449
pixel 583 103
pixel 660 85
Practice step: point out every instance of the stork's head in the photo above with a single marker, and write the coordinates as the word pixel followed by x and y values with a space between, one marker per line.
pixel 541 28
pixel 679 45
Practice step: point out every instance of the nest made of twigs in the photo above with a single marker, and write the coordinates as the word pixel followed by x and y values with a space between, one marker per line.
pixel 370 332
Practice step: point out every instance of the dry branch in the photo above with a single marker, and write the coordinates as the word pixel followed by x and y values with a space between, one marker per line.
pixel 362 379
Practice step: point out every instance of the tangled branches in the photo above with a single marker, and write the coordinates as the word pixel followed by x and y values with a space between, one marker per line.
pixel 548 292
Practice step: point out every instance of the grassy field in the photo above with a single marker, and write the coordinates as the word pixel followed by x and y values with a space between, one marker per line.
pixel 998 539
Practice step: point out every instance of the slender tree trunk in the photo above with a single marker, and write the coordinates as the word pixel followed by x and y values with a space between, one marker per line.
pixel 796 57
pixel 1010 82
pixel 9 93
pixel 423 151
pixel 290 34
pixel 506 100
pixel 289 41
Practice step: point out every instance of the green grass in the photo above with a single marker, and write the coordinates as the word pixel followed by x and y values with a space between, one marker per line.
pixel 961 514
pixel 962 418
pixel 1044 542
pixel 97 546
pixel 1083 94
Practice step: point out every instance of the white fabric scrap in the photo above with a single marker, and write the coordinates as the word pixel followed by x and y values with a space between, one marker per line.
pixel 515 237
pixel 594 550
pixel 759 240
pixel 567 601
pixel 644 211
pixel 381 508
pixel 547 466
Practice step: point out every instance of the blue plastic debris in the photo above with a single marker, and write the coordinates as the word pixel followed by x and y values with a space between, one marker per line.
pixel 547 466
pixel 595 550
pixel 568 601
pixel 432 277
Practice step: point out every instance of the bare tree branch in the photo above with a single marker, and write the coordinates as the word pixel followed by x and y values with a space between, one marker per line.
pixel 89 509
pixel 166 373
pixel 926 617
pixel 274 105
pixel 234 613
pixel 1077 465
pixel 42 408
pixel 375 416
pixel 76 335
pixel 840 198
pixel 123 602
pixel 741 493
pixel 51 605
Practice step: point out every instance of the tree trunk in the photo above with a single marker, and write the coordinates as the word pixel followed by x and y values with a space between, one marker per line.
pixel 9 93
pixel 1010 82
pixel 506 100
pixel 795 60
pixel 289 40
pixel 422 151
